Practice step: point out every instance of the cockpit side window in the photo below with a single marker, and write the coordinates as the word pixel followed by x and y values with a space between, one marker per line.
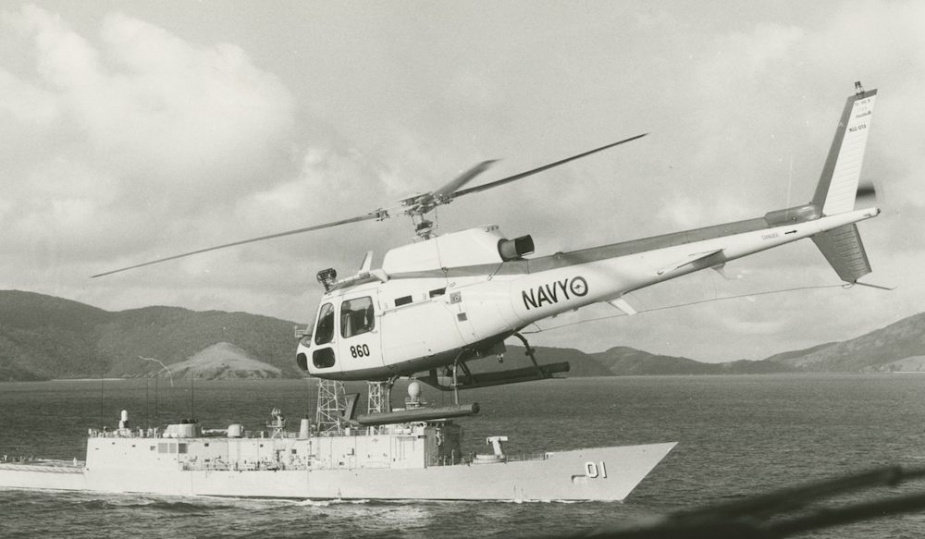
pixel 324 331
pixel 357 317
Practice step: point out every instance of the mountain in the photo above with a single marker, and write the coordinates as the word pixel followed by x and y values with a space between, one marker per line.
pixel 896 347
pixel 172 334
pixel 15 373
pixel 786 357
pixel 221 361
pixel 626 361
pixel 623 361
pixel 44 337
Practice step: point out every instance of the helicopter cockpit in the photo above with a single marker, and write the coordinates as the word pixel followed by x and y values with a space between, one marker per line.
pixel 344 327
pixel 372 323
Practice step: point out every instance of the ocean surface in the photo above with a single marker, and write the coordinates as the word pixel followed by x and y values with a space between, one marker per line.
pixel 737 436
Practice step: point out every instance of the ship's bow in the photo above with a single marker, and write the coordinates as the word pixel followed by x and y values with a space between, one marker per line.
pixel 603 474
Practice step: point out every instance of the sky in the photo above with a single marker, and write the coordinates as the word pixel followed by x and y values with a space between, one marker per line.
pixel 136 130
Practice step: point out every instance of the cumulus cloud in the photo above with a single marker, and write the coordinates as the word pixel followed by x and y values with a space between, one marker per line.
pixel 130 120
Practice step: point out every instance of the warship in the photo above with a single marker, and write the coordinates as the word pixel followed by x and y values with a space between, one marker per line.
pixel 413 453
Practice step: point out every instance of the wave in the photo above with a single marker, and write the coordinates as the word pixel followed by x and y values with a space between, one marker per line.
pixel 128 502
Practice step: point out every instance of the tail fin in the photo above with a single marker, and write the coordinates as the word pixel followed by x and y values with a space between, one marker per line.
pixel 838 185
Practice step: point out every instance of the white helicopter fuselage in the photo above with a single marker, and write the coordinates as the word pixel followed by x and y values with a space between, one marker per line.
pixel 449 299
pixel 455 298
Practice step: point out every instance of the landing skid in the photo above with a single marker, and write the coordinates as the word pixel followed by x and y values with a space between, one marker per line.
pixel 468 380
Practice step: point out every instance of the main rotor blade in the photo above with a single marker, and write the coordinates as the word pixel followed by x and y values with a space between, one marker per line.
pixel 421 204
pixel 462 179
pixel 509 179
pixel 378 214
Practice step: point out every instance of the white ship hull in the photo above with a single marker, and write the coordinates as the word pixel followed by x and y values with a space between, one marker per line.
pixel 606 474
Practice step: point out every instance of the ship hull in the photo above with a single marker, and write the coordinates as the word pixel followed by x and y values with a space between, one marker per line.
pixel 603 474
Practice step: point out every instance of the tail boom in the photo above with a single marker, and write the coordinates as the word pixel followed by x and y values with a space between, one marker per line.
pixel 606 278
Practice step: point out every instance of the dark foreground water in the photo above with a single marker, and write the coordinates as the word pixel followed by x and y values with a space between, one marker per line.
pixel 738 435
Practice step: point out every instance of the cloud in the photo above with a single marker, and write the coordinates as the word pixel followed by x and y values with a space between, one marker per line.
pixel 27 105
pixel 126 145
pixel 134 122
pixel 122 141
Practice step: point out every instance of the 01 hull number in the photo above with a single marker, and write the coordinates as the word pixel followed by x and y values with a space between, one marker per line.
pixel 595 470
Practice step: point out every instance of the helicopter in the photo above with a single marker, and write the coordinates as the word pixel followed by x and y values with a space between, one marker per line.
pixel 445 300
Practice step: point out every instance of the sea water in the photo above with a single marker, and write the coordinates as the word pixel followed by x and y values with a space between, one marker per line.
pixel 737 436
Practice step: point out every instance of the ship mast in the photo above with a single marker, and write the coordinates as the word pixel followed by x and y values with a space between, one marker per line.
pixel 379 393
pixel 332 402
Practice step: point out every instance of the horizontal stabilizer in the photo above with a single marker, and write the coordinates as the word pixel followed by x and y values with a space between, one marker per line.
pixel 844 250
pixel 623 306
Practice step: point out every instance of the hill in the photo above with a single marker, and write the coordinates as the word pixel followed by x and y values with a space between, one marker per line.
pixel 623 361
pixel 172 335
pixel 895 347
pixel 44 337
pixel 626 361
pixel 221 361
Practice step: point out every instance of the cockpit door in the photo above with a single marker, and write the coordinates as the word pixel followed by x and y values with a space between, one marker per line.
pixel 360 346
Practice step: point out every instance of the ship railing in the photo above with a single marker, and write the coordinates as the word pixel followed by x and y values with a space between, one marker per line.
pixel 124 433
pixel 22 462
pixel 247 466
pixel 159 433
pixel 45 467
pixel 527 455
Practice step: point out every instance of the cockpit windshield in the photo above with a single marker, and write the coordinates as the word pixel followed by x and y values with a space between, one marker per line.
pixel 324 331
